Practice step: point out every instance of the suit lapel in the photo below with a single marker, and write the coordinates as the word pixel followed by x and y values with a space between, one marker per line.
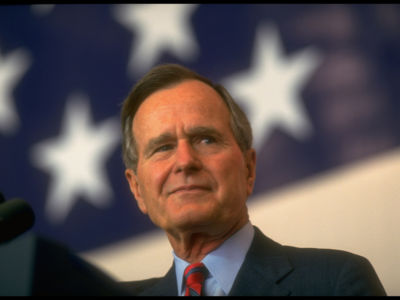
pixel 262 268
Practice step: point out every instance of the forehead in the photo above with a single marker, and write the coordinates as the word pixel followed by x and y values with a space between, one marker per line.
pixel 188 101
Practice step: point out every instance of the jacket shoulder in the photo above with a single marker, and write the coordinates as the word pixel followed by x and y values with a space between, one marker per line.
pixel 346 273
pixel 321 271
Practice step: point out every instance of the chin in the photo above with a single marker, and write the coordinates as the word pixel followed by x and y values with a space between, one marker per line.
pixel 195 218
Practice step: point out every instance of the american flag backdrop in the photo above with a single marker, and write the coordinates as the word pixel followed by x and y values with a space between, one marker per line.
pixel 319 82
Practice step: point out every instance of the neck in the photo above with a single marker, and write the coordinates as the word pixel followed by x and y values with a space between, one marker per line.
pixel 193 246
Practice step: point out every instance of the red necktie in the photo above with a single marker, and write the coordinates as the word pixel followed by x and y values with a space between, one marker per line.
pixel 193 277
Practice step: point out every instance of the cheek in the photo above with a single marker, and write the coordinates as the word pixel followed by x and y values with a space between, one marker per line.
pixel 153 179
pixel 232 180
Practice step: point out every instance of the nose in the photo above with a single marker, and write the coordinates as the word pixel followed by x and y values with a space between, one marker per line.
pixel 187 159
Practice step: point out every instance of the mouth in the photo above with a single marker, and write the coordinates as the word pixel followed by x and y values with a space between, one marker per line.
pixel 189 188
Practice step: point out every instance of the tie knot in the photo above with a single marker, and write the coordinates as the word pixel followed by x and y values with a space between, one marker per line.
pixel 194 277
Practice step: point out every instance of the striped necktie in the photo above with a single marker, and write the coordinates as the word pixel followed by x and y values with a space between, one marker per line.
pixel 193 277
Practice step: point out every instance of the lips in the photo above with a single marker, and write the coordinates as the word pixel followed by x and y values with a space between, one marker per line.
pixel 188 188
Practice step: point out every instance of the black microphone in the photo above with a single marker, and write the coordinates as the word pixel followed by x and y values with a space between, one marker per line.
pixel 16 217
pixel 2 199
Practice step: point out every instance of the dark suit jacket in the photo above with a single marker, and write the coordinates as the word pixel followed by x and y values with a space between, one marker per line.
pixel 271 269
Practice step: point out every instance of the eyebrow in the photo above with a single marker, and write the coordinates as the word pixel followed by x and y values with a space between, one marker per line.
pixel 204 130
pixel 194 131
pixel 158 140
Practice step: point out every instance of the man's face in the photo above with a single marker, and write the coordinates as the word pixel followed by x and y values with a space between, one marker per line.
pixel 191 173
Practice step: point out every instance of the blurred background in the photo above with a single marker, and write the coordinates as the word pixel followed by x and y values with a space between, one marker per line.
pixel 319 82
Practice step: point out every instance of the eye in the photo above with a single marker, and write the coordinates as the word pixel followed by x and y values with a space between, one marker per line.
pixel 207 140
pixel 163 148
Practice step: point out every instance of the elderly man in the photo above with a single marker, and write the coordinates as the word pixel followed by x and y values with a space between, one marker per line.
pixel 187 147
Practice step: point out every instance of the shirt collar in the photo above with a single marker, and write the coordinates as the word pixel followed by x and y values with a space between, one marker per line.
pixel 224 262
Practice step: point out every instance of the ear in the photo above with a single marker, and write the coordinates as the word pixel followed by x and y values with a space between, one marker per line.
pixel 251 169
pixel 135 189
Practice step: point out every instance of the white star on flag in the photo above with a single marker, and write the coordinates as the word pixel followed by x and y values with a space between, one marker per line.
pixel 270 90
pixel 76 160
pixel 12 67
pixel 157 28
